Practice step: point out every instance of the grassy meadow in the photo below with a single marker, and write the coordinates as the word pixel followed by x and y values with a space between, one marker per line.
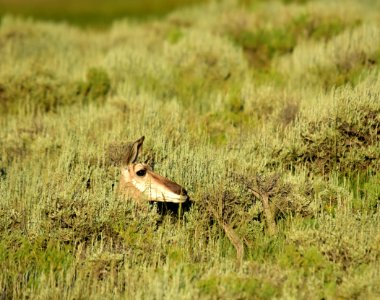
pixel 238 100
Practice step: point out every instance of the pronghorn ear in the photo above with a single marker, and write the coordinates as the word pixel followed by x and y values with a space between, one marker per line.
pixel 135 150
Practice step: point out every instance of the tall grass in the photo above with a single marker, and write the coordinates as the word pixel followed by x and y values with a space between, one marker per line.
pixel 223 114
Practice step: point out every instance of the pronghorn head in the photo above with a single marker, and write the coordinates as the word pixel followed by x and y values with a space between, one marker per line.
pixel 140 182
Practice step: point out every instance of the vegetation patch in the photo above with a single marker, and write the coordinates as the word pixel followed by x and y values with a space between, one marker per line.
pixel 46 93
pixel 25 261
pixel 339 144
pixel 261 45
pixel 235 286
pixel 266 113
pixel 347 70
pixel 335 245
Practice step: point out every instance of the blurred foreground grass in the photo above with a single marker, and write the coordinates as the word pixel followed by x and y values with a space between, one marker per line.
pixel 274 96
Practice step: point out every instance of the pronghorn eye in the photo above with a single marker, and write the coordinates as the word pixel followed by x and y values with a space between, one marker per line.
pixel 141 172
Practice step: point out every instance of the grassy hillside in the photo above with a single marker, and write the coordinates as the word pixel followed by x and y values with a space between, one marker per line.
pixel 277 97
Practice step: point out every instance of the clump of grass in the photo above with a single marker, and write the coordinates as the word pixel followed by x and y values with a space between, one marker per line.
pixel 17 143
pixel 322 27
pixel 187 71
pixel 44 92
pixel 238 286
pixel 221 124
pixel 203 69
pixel 261 45
pixel 30 93
pixel 338 143
pixel 346 70
pixel 346 59
pixel 29 260
pixel 335 245
pixel 96 87
pixel 370 193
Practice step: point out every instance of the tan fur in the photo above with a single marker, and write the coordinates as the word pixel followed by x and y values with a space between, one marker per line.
pixel 127 189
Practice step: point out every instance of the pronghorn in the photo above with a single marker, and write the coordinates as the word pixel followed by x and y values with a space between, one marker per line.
pixel 139 182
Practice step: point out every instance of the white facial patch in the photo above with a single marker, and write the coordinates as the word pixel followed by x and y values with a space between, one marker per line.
pixel 157 192
pixel 139 185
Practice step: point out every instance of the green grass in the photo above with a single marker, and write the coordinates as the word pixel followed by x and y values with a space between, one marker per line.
pixel 90 13
pixel 279 97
